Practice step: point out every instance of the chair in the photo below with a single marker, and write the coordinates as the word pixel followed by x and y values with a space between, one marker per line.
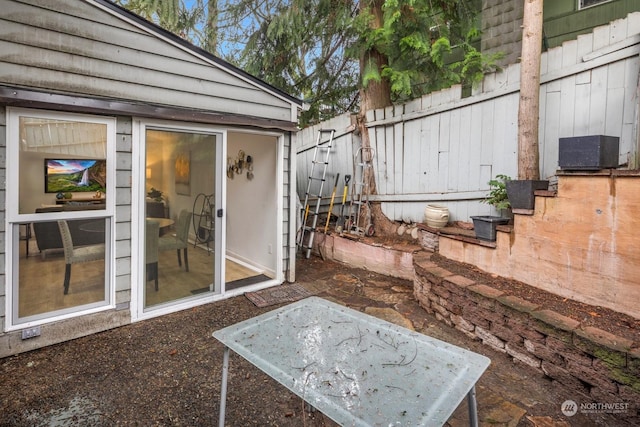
pixel 75 255
pixel 151 250
pixel 179 240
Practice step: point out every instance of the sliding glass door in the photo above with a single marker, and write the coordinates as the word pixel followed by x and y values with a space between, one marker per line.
pixel 181 215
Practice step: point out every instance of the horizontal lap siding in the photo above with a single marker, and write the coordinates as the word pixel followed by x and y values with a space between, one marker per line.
pixel 89 52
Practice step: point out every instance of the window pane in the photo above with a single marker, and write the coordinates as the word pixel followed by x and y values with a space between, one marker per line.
pixel 61 162
pixel 42 272
pixel 179 209
pixel 587 3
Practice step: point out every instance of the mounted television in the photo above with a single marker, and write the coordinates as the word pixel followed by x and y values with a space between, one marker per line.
pixel 75 175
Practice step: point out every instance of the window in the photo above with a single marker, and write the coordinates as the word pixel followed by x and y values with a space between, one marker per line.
pixel 59 219
pixel 587 3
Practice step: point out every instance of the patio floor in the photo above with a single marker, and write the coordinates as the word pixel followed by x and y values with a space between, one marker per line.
pixel 166 371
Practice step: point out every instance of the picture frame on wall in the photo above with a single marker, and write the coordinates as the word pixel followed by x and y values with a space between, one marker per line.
pixel 183 173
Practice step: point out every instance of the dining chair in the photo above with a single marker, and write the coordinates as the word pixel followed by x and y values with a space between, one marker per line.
pixel 151 250
pixel 75 255
pixel 178 240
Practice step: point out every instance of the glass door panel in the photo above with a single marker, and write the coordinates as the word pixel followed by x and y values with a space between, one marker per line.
pixel 180 182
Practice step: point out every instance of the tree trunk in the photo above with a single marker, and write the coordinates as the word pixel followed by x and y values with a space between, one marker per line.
pixel 211 31
pixel 377 94
pixel 529 107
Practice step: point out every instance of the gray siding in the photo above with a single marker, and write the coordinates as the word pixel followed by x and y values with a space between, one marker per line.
pixel 501 31
pixel 3 173
pixel 123 212
pixel 75 47
pixel 502 20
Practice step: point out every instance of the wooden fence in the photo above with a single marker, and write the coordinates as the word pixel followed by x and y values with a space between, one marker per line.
pixel 443 148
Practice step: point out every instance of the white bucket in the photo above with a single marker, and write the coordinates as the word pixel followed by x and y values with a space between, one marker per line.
pixel 436 216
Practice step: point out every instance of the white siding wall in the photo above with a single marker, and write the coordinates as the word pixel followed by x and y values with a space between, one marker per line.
pixel 73 46
pixel 444 148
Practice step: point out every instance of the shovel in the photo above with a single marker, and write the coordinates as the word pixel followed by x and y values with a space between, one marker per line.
pixel 333 196
pixel 340 222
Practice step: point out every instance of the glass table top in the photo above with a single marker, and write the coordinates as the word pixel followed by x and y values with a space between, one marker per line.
pixel 357 369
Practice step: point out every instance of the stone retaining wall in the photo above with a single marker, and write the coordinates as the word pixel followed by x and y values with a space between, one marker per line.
pixel 595 363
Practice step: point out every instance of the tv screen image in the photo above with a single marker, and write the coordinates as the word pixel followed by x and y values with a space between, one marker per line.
pixel 75 175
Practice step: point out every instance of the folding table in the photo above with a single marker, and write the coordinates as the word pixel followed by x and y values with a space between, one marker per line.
pixel 356 369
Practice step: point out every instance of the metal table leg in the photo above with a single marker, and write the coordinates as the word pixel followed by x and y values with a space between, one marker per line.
pixel 473 407
pixel 223 389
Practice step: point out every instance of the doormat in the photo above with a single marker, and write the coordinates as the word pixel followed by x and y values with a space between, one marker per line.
pixel 236 283
pixel 246 281
pixel 278 295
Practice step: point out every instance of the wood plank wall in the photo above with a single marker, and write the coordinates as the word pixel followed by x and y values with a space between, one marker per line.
pixel 444 149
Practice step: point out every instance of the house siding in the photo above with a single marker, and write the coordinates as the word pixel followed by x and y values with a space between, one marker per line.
pixel 286 173
pixel 81 55
pixel 502 23
pixel 81 49
pixel 501 29
pixel 124 161
pixel 3 188
pixel 563 21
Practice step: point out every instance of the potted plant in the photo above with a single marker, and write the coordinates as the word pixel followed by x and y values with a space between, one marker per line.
pixel 155 194
pixel 497 196
pixel 485 225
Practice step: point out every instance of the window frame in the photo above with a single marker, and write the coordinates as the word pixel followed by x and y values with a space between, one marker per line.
pixel 13 217
pixel 581 5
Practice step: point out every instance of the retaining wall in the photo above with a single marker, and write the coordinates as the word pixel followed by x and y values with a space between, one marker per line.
pixel 591 361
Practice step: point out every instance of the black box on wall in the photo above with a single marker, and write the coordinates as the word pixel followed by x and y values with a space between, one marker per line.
pixel 591 152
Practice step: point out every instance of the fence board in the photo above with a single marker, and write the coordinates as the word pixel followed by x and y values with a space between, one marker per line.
pixel 549 142
pixel 598 101
pixel 433 127
pixel 445 149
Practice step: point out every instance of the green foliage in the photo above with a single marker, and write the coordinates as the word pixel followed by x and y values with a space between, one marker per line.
pixel 318 50
pixel 155 194
pixel 430 45
pixel 497 196
pixel 172 15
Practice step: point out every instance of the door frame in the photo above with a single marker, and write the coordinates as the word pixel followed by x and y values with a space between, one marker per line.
pixel 138 192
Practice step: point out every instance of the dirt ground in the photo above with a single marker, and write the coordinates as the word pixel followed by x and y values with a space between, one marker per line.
pixel 166 371
pixel 611 321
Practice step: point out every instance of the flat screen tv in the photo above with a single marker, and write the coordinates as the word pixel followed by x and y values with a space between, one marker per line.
pixel 75 175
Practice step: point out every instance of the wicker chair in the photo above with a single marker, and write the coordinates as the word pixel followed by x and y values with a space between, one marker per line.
pixel 179 240
pixel 151 250
pixel 75 255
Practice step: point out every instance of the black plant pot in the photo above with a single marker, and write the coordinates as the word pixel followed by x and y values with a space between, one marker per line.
pixel 485 226
pixel 520 192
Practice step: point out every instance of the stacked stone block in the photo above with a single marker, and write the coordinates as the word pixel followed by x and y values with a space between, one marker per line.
pixel 595 363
